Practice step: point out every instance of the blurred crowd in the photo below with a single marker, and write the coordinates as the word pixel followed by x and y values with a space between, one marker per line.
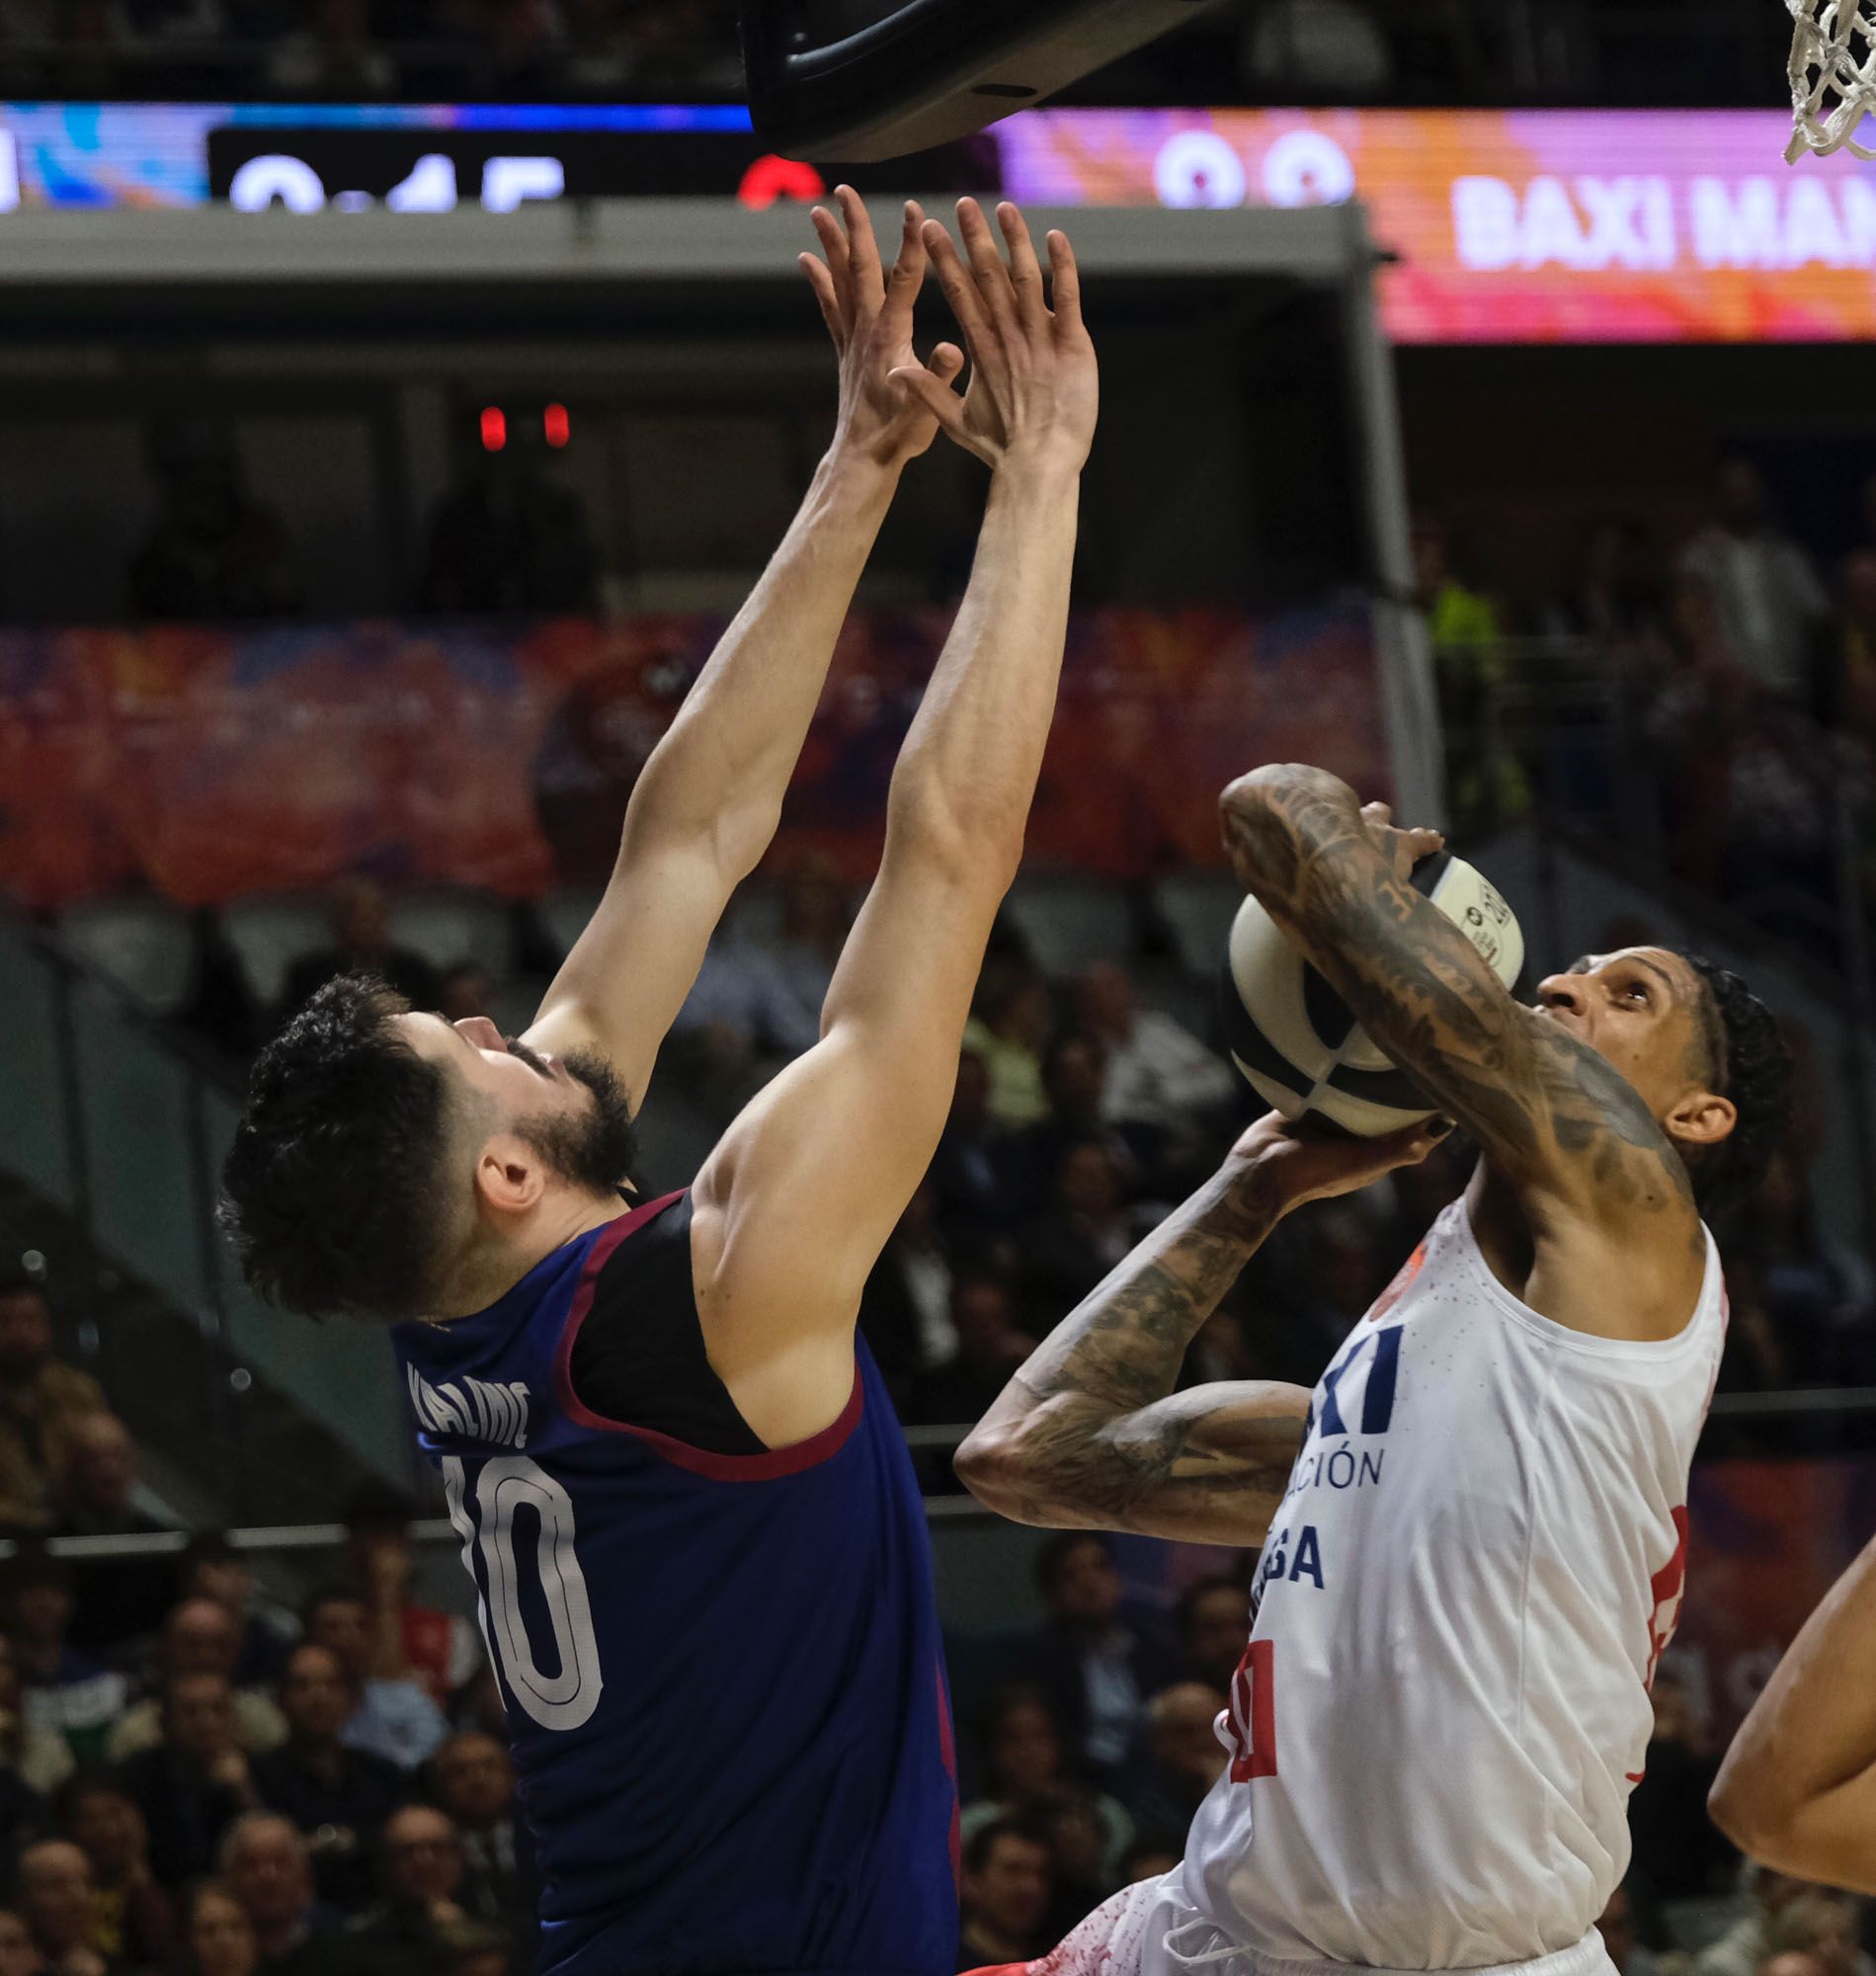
pixel 367 49
pixel 1311 50
pixel 1736 735
pixel 195 1782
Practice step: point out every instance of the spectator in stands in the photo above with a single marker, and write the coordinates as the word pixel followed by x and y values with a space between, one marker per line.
pixel 1022 1764
pixel 1212 1624
pixel 1152 1854
pixel 212 1568
pixel 1488 783
pixel 990 1346
pixel 759 1001
pixel 339 1797
pixel 193 1781
pixel 1678 1848
pixel 215 552
pixel 1093 1661
pixel 1854 696
pixel 1823 1924
pixel 132 1918
pixel 970 1202
pixel 1009 1029
pixel 1182 1760
pixel 55 1896
pixel 269 1865
pixel 334 55
pixel 1617 1927
pixel 474 1781
pixel 361 944
pixel 199 1636
pixel 34 1755
pixel 1789 1962
pixel 219 1938
pixel 94 1491
pixel 40 1399
pixel 420 1874
pixel 599 58
pixel 1770 602
pixel 1612 592
pixel 1084 1842
pixel 1080 1236
pixel 394 1716
pixel 409 1641
pixel 1739 1951
pixel 510 535
pixel 1007 1891
pixel 905 1310
pixel 1074 1075
pixel 1160 1080
pixel 471 1947
pixel 62 1689
pixel 19 1953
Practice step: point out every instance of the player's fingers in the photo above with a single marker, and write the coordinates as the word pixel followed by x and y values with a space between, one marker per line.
pixel 1381 813
pixel 834 245
pixel 934 395
pixel 946 361
pixel 986 266
pixel 822 282
pixel 961 291
pixel 1026 271
pixel 908 270
pixel 1065 284
pixel 862 250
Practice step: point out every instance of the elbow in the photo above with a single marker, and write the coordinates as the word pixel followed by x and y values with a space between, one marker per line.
pixel 979 852
pixel 990 1463
pixel 1746 1805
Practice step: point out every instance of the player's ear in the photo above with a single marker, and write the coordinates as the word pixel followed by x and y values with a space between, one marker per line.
pixel 510 1176
pixel 1700 1119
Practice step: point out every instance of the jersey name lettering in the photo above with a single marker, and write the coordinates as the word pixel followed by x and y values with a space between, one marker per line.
pixel 472 1408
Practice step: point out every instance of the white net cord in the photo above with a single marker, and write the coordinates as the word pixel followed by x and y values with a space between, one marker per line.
pixel 1832 75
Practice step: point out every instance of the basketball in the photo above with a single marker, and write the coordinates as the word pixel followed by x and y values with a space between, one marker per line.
pixel 1297 1041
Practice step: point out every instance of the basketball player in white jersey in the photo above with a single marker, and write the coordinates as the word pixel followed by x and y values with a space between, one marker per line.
pixel 1473 1560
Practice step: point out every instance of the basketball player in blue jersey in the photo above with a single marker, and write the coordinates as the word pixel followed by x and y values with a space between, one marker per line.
pixel 699 1554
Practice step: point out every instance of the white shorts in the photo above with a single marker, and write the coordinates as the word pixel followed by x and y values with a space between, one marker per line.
pixel 1152 1929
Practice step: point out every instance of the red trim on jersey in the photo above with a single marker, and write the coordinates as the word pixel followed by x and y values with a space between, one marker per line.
pixel 769 1468
pixel 1634 1777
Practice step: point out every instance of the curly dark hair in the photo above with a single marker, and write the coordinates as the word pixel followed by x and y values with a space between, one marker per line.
pixel 1754 1069
pixel 336 1188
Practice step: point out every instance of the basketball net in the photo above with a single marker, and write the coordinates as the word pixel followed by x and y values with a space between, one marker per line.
pixel 1832 75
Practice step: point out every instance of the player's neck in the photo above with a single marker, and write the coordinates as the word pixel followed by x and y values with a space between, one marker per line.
pixel 497 1263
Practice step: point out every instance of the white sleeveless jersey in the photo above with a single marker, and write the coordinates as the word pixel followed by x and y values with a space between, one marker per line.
pixel 1445 1703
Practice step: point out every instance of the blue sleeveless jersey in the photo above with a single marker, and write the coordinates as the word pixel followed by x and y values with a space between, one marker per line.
pixel 724 1683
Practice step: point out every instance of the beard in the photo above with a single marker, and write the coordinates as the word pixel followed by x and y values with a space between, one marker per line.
pixel 595 1152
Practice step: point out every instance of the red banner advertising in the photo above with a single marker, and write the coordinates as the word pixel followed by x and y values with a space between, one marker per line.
pixel 208 764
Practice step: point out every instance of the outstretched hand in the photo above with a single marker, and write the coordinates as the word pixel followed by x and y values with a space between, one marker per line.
pixel 1319 1166
pixel 1034 384
pixel 869 314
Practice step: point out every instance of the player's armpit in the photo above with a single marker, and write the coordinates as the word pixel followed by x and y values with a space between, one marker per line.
pixel 1553 1115
pixel 1209 1465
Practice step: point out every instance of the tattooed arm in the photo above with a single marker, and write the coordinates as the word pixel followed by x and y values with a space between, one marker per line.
pixel 1090 1434
pixel 1555 1118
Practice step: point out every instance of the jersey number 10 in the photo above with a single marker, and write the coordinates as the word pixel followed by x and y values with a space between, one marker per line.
pixel 507 1483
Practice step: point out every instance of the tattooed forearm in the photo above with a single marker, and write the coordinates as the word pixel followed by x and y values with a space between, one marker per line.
pixel 1091 1431
pixel 1124 1344
pixel 1524 1087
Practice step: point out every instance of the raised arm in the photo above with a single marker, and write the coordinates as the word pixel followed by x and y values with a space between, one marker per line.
pixel 1090 1434
pixel 1798 1788
pixel 794 1208
pixel 1553 1116
pixel 708 802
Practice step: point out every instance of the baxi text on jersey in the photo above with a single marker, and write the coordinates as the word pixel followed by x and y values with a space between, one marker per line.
pixel 476 1409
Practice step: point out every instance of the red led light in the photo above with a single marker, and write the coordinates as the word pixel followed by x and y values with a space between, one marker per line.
pixel 494 429
pixel 556 426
